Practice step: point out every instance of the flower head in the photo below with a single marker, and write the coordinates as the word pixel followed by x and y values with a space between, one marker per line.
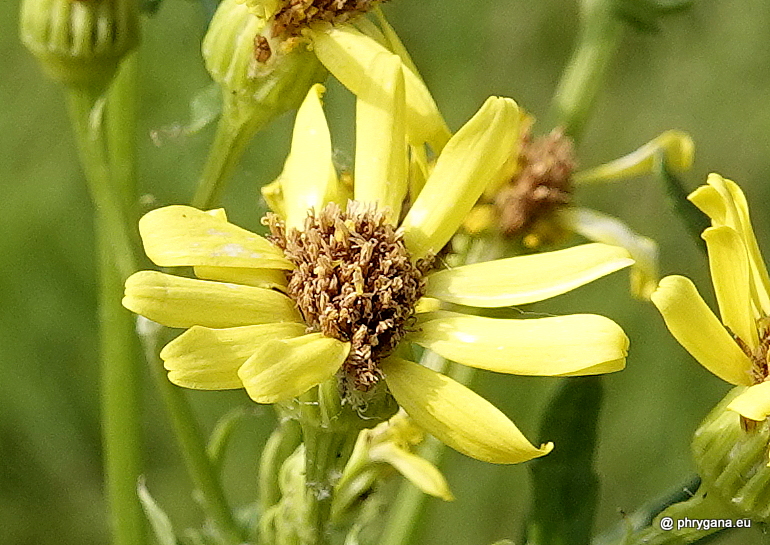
pixel 535 204
pixel 80 43
pixel 735 348
pixel 343 287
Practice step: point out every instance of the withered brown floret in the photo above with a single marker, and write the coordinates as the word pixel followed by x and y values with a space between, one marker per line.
pixel 542 185
pixel 296 15
pixel 353 281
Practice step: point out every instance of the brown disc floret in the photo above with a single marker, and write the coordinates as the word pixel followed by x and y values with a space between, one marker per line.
pixel 354 281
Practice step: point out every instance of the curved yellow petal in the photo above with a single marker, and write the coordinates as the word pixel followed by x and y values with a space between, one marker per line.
pixel 526 279
pixel 208 359
pixel 729 264
pixel 692 323
pixel 381 149
pixel 175 236
pixel 556 346
pixel 309 180
pixel 472 159
pixel 284 369
pixel 753 403
pixel 260 278
pixel 760 278
pixel 393 43
pixel 724 202
pixel 599 227
pixel 676 146
pixel 347 53
pixel 458 417
pixel 184 302
pixel 419 471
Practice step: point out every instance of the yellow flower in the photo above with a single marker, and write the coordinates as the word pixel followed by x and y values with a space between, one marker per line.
pixel 377 450
pixel 736 350
pixel 536 203
pixel 345 293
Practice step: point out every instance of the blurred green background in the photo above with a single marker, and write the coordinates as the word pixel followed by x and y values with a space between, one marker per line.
pixel 705 72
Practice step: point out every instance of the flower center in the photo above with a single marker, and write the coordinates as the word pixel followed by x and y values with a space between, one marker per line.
pixel 297 15
pixel 353 281
pixel 542 185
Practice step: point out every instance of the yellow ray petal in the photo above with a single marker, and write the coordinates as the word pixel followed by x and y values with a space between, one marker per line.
pixel 556 346
pixel 419 471
pixel 454 414
pixel 692 323
pixel 208 359
pixel 309 180
pixel 472 159
pixel 284 369
pixel 724 202
pixel 184 302
pixel 175 236
pixel 526 279
pixel 676 146
pixel 260 278
pixel 347 54
pixel 381 151
pixel 419 170
pixel 729 264
pixel 599 227
pixel 760 280
pixel 394 44
pixel 754 403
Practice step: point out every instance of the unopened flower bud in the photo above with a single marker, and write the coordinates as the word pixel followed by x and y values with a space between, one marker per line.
pixel 80 42
pixel 732 459
pixel 252 67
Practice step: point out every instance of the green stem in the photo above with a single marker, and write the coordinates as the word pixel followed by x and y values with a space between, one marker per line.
pixel 683 517
pixel 598 40
pixel 120 125
pixel 191 441
pixel 121 393
pixel 329 434
pixel 234 131
pixel 643 517
pixel 111 216
pixel 120 374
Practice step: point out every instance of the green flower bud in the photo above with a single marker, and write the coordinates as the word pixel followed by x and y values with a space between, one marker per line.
pixel 253 67
pixel 80 42
pixel 260 79
pixel 732 459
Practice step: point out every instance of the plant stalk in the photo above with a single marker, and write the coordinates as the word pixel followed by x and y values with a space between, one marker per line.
pixel 120 374
pixel 599 36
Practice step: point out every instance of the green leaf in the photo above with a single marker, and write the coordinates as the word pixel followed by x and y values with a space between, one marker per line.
pixel 159 521
pixel 565 485
pixel 694 220
pixel 644 15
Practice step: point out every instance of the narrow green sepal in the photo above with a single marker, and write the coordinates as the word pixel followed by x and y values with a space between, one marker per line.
pixel 220 437
pixel 565 485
